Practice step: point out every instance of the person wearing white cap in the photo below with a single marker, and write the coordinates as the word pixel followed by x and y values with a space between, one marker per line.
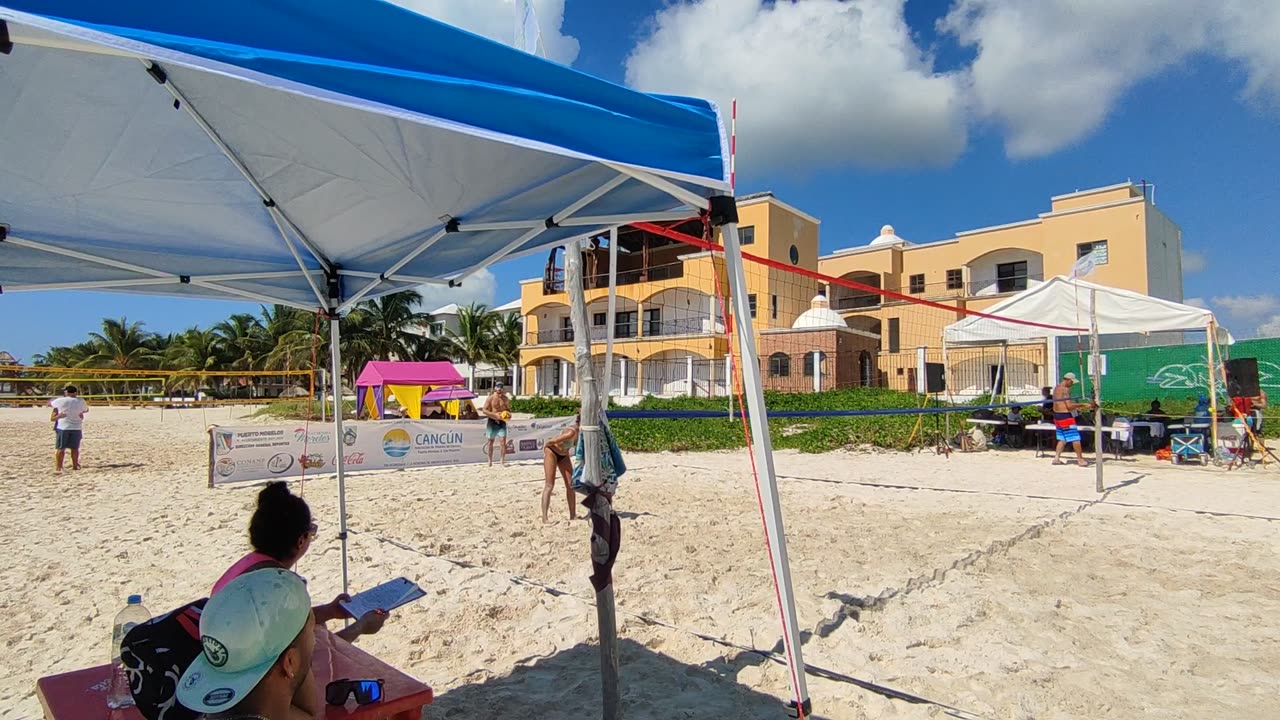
pixel 1064 419
pixel 257 636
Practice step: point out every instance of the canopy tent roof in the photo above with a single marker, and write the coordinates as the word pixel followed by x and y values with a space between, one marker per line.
pixel 449 393
pixel 312 153
pixel 1066 303
pixel 390 372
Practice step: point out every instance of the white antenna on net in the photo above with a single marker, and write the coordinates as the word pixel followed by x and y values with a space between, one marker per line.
pixel 528 33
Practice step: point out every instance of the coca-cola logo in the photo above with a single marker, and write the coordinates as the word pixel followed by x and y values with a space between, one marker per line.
pixel 355 458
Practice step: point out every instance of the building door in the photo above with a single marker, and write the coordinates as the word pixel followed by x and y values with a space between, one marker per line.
pixel 997 379
pixel 865 370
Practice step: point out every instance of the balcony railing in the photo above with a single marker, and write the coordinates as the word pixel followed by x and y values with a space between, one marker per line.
pixel 856 302
pixel 626 331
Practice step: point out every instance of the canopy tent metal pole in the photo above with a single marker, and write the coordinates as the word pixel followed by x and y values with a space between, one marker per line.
pixel 391 271
pixel 158 74
pixel 589 428
pixel 762 449
pixel 1097 389
pixel 607 383
pixel 335 353
pixel 153 276
pixel 1211 337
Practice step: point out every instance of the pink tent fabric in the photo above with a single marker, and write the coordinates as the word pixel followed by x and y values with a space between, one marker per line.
pixel 387 372
pixel 449 393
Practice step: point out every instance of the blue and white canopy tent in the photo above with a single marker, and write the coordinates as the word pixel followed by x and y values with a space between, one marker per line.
pixel 315 153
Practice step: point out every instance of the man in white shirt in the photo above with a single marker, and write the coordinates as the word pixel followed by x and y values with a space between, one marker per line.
pixel 68 416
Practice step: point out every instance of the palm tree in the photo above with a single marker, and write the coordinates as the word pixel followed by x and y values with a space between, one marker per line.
pixel 508 334
pixel 385 324
pixel 240 335
pixel 198 352
pixel 122 345
pixel 473 342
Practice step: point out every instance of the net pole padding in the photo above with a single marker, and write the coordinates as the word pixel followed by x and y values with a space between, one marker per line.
pixel 335 355
pixel 842 282
pixel 1210 339
pixel 589 430
pixel 1097 390
pixel 762 455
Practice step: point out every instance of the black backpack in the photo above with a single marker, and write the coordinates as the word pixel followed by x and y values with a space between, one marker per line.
pixel 155 654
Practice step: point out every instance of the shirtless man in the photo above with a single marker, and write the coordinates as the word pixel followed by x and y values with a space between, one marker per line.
pixel 495 424
pixel 1064 419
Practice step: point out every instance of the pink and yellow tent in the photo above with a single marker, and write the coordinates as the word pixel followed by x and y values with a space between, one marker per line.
pixel 406 381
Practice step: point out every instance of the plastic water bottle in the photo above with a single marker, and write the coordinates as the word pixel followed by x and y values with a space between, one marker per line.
pixel 134 613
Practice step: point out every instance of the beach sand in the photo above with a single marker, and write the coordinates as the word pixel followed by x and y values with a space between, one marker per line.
pixel 1017 595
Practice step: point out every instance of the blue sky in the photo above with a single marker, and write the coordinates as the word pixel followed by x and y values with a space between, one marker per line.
pixel 935 116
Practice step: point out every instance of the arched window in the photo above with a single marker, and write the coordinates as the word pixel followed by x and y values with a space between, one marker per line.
pixel 779 365
pixel 808 362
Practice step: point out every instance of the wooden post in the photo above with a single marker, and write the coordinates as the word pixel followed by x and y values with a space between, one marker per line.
pixel 589 427
pixel 1097 385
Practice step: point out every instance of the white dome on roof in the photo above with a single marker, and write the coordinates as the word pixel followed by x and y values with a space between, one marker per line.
pixel 888 237
pixel 819 315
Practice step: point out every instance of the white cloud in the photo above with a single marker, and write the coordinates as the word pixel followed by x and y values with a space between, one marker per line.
pixel 1270 328
pixel 819 83
pixel 1249 307
pixel 1193 261
pixel 1196 302
pixel 1049 72
pixel 496 20
pixel 480 287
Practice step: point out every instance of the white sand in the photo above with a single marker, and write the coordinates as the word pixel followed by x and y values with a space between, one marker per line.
pixel 1148 611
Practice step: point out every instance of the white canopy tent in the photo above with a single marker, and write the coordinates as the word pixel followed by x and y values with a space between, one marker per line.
pixel 315 154
pixel 1066 306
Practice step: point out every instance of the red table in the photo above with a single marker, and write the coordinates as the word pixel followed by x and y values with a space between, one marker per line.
pixel 82 694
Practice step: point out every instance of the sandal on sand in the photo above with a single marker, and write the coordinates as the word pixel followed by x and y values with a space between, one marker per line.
pixel 1058 462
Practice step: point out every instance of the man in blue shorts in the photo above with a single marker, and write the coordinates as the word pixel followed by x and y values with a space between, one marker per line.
pixel 1064 419
pixel 496 410
pixel 68 416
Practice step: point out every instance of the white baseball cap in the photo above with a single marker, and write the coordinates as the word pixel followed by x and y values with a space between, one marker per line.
pixel 1069 376
pixel 244 629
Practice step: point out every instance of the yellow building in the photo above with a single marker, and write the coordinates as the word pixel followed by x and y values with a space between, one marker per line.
pixel 669 327
pixel 1138 248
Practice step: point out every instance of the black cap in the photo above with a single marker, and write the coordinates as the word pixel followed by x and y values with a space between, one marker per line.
pixel 70 389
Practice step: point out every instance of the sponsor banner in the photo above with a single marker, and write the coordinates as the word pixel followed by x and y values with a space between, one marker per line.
pixel 242 454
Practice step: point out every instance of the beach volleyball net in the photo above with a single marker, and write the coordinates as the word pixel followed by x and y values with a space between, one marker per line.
pixel 36 385
pixel 815 333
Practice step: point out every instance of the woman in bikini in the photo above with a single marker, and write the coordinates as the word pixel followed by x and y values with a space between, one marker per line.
pixel 556 456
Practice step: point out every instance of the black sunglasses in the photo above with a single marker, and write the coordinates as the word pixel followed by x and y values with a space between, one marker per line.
pixel 367 692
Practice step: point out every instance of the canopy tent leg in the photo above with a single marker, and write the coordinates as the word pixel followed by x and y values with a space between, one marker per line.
pixel 335 353
pixel 1097 389
pixel 762 449
pixel 598 503
pixel 1211 337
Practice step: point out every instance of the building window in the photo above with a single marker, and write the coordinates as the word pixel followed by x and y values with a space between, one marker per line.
pixel 808 362
pixel 599 319
pixel 566 329
pixel 955 279
pixel 779 365
pixel 773 307
pixel 751 300
pixel 747 235
pixel 1098 246
pixel 653 321
pixel 917 284
pixel 1011 277
pixel 624 324
pixel 795 255
pixel 894 335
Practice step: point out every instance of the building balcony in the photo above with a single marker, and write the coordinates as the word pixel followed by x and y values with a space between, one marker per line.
pixel 624 332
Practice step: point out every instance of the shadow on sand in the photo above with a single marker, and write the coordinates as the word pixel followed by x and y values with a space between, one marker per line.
pixel 567 685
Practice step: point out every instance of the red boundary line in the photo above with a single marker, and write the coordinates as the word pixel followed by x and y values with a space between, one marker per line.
pixel 815 275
